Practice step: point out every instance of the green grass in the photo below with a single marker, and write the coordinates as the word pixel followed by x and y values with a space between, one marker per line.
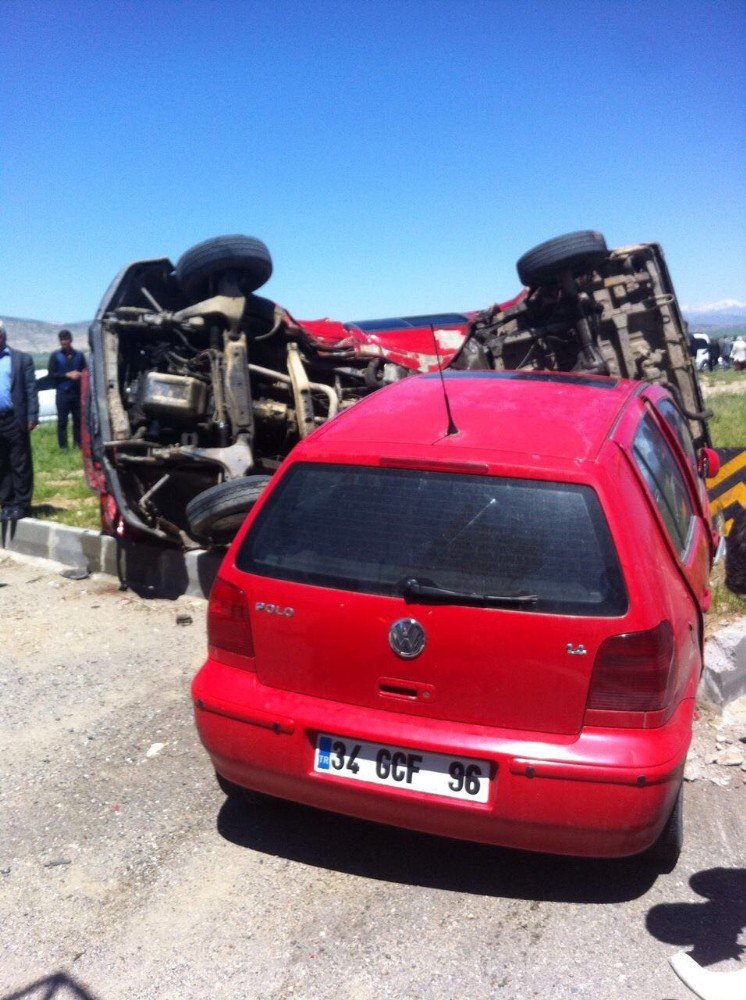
pixel 728 424
pixel 725 395
pixel 721 377
pixel 725 605
pixel 61 491
pixel 728 430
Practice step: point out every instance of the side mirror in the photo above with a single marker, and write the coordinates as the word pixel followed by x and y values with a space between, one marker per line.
pixel 708 463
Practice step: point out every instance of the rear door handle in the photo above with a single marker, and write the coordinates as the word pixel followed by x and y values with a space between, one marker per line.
pixel 405 690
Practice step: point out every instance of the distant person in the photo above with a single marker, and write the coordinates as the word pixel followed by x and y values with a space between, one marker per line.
pixel 65 369
pixel 713 354
pixel 726 348
pixel 738 354
pixel 19 414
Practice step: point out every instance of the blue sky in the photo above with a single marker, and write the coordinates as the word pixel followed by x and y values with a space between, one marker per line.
pixel 396 157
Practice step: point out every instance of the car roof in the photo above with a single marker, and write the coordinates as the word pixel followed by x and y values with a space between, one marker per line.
pixel 531 415
pixel 409 322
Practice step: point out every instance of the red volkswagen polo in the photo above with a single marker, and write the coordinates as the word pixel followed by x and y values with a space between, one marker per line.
pixel 482 622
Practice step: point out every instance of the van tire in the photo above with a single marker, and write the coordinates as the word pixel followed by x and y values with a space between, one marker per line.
pixel 248 257
pixel 215 515
pixel 577 252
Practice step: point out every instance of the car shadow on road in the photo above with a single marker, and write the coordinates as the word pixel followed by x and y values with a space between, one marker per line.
pixel 59 984
pixel 339 843
pixel 710 927
pixel 158 571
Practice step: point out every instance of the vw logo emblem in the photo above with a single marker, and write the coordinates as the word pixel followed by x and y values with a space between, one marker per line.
pixel 407 638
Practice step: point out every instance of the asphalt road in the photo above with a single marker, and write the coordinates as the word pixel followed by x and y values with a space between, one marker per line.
pixel 124 872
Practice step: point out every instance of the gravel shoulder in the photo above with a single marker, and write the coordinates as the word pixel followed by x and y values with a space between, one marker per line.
pixel 125 874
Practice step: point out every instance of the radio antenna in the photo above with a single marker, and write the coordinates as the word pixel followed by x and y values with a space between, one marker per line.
pixel 452 428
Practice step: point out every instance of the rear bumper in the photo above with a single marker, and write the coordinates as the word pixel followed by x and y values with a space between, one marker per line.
pixel 603 793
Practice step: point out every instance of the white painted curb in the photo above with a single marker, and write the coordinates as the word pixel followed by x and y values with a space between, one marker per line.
pixel 156 570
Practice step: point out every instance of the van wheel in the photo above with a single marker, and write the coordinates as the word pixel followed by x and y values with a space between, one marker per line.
pixel 667 848
pixel 215 515
pixel 577 252
pixel 246 256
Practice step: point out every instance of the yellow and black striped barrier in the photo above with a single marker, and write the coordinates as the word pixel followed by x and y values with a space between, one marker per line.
pixel 728 488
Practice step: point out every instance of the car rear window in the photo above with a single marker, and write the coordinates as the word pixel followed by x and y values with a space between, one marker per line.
pixel 368 529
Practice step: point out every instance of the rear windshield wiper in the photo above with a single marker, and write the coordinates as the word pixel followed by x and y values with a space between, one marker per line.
pixel 414 590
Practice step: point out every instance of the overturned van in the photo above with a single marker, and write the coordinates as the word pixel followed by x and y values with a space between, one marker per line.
pixel 199 387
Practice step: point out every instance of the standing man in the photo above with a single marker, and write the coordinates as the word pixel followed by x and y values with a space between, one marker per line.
pixel 738 354
pixel 65 368
pixel 725 350
pixel 19 414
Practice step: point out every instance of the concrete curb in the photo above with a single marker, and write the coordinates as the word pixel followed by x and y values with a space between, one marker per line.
pixel 151 570
pixel 724 676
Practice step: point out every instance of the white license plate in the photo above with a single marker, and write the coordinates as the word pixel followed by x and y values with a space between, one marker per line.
pixel 398 767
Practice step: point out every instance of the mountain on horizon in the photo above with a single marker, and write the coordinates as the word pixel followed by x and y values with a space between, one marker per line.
pixel 726 313
pixel 38 336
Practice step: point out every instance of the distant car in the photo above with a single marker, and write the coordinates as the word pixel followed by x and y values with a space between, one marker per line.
pixel 47 398
pixel 475 610
pixel 700 346
pixel 199 388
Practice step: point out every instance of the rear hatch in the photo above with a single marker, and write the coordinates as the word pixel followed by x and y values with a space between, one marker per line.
pixel 530 570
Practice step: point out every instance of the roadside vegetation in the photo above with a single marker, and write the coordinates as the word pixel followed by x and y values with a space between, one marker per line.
pixel 721 377
pixel 60 488
pixel 725 395
pixel 725 605
pixel 728 425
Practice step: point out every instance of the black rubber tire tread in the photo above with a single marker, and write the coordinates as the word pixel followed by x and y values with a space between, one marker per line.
pixel 234 791
pixel 577 252
pixel 664 853
pixel 215 515
pixel 244 254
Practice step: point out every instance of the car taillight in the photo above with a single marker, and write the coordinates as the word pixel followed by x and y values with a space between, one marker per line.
pixel 228 622
pixel 633 674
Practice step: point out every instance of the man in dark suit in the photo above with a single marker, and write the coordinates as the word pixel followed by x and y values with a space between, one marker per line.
pixel 19 414
pixel 65 369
